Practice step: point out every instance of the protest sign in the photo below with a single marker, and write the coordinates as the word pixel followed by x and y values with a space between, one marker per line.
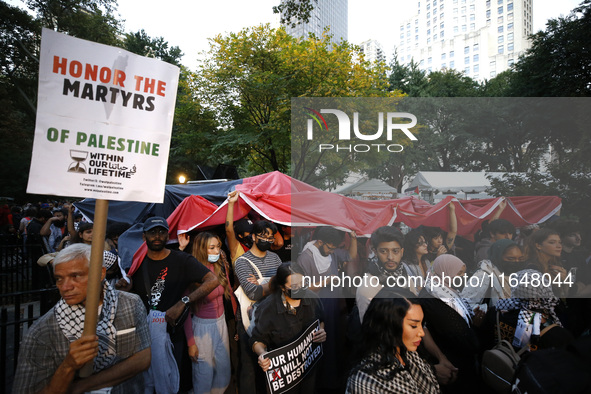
pixel 291 363
pixel 104 120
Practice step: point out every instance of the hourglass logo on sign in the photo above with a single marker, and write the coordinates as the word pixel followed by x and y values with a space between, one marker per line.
pixel 79 156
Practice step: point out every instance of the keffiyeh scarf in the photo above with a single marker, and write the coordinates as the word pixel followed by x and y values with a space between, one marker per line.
pixel 70 319
pixel 451 298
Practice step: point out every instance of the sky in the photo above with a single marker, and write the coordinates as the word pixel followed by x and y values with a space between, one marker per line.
pixel 189 23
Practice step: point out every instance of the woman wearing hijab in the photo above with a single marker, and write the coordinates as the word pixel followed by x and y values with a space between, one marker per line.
pixel 490 282
pixel 451 321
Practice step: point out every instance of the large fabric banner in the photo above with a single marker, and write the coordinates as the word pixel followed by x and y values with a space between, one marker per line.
pixel 104 120
pixel 291 363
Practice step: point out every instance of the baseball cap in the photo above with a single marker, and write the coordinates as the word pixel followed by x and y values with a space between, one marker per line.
pixel 243 225
pixel 155 221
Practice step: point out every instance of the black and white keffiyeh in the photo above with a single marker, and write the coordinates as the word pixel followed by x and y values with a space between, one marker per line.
pixel 376 269
pixel 70 319
pixel 451 298
pixel 529 300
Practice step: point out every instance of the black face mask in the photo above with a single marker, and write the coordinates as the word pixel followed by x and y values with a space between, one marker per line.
pixel 264 245
pixel 511 267
pixel 59 223
pixel 246 241
pixel 296 294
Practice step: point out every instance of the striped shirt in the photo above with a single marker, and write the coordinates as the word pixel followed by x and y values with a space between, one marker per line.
pixel 267 265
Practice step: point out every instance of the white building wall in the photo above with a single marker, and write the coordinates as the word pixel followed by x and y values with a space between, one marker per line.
pixel 478 37
pixel 331 13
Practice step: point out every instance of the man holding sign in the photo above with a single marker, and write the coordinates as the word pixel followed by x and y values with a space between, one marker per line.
pixel 54 349
pixel 290 319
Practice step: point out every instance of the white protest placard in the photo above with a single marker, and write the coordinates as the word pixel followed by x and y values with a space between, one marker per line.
pixel 104 121
pixel 291 363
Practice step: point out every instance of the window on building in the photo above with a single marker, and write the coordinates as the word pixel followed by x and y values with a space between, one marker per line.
pixel 499 2
pixel 510 62
pixel 464 28
pixel 428 40
pixel 434 37
pixel 451 54
pixel 501 49
pixel 467 70
pixel 452 64
pixel 510 7
pixel 417 37
pixel 443 55
pixel 472 26
pixel 463 10
pixel 472 8
pixel 441 35
pixel 510 26
pixel 428 23
pixel 472 17
pixel 500 29
pixel 441 25
pixel 467 60
pixel 500 20
pixel 428 32
pixel 475 58
pixel 434 3
pixel 510 37
pixel 443 65
pixel 466 49
pixel 510 47
pixel 455 11
pixel 422 62
pixel 500 39
pixel 464 20
pixel 510 16
pixel 493 65
pixel 475 47
pixel 500 10
pixel 455 29
pixel 487 3
pixel 429 60
pixel 488 13
pixel 476 68
pixel 493 74
pixel 435 20
pixel 428 7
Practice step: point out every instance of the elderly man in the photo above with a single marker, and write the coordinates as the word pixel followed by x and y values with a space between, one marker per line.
pixel 54 349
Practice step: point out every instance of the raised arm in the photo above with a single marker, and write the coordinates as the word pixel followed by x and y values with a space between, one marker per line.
pixel 453 227
pixel 230 235
pixel 210 282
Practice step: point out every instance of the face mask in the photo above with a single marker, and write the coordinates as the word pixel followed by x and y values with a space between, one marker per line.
pixel 246 241
pixel 295 294
pixel 264 245
pixel 212 258
pixel 59 223
pixel 511 267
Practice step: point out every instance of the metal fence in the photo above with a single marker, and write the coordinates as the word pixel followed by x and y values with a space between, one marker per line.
pixel 17 314
pixel 20 304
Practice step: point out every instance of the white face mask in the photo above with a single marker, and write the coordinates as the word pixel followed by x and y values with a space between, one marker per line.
pixel 212 258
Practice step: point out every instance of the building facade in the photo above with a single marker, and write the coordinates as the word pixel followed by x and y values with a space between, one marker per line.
pixel 373 51
pixel 480 38
pixel 326 13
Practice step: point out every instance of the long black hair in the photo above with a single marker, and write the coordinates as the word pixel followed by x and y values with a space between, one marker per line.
pixel 382 328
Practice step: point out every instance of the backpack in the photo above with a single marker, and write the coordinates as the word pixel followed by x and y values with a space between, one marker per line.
pixel 499 364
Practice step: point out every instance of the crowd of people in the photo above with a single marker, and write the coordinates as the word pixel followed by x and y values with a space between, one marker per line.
pixel 212 306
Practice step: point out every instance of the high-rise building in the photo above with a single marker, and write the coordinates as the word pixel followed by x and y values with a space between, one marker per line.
pixel 326 13
pixel 373 51
pixel 478 37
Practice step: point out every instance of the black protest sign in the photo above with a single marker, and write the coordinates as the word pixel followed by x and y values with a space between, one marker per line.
pixel 291 363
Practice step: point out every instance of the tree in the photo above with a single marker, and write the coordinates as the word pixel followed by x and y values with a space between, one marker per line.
pixel 558 62
pixel 142 44
pixel 294 12
pixel 249 78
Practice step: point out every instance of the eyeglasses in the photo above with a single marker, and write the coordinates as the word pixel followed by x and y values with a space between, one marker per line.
pixel 263 237
pixel 331 248
pixel 157 231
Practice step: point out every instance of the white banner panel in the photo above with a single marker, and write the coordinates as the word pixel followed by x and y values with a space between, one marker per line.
pixel 104 120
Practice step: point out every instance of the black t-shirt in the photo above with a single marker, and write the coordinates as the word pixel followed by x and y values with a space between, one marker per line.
pixel 168 279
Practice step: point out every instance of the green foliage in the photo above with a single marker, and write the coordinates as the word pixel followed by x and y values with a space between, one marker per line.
pixel 248 79
pixel 294 12
pixel 142 44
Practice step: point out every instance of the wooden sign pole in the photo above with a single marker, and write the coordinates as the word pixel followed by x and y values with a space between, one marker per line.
pixel 94 288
